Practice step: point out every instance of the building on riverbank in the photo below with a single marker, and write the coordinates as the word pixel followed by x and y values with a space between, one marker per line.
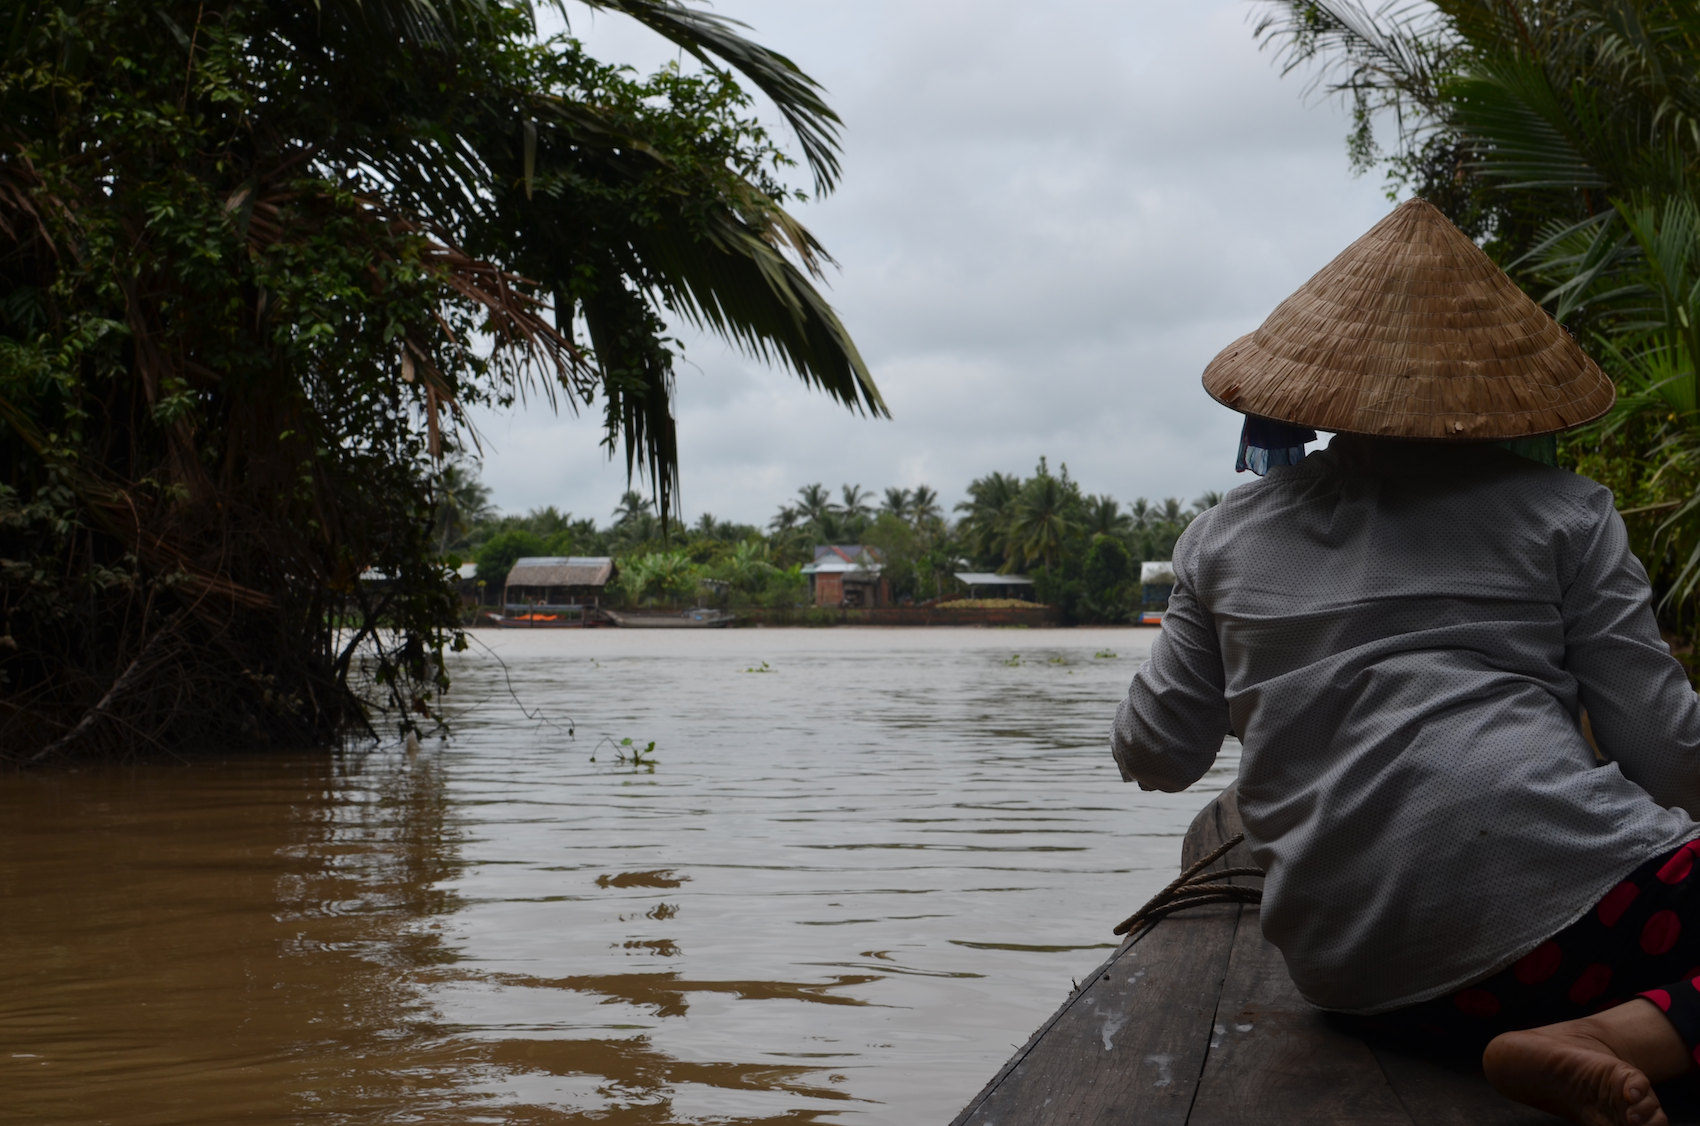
pixel 847 576
pixel 981 584
pixel 558 580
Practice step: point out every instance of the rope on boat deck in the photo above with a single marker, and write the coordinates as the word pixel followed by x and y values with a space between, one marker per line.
pixel 1191 889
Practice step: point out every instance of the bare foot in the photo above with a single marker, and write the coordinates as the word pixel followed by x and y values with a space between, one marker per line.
pixel 1568 1070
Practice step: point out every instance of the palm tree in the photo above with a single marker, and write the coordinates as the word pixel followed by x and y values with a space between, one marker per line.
pixel 785 519
pixel 1039 522
pixel 1512 115
pixel 924 505
pixel 988 509
pixel 815 503
pixel 831 527
pixel 896 503
pixel 1209 500
pixel 1141 513
pixel 633 506
pixel 1104 517
pixel 856 506
pixel 547 520
pixel 463 500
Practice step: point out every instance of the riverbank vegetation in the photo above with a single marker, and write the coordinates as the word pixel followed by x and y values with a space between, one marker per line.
pixel 1564 137
pixel 256 260
pixel 1083 551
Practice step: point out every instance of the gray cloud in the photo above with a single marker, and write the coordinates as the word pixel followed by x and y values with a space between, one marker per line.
pixel 1051 218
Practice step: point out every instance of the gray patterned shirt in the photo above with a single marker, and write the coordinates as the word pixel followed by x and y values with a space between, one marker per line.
pixel 1402 635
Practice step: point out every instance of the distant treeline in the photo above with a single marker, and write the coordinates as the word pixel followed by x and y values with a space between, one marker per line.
pixel 1083 551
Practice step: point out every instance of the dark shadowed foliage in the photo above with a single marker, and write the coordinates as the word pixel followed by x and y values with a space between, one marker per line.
pixel 255 261
pixel 1563 135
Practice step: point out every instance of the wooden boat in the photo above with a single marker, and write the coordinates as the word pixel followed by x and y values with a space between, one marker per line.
pixel 545 617
pixel 697 618
pixel 1195 1021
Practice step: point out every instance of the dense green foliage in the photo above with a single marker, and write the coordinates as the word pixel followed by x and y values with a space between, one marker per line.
pixel 1082 551
pixel 1564 135
pixel 255 261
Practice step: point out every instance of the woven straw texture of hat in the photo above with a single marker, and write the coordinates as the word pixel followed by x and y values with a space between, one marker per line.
pixel 1412 332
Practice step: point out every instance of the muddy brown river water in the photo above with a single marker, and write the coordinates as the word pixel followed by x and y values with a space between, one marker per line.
pixel 866 865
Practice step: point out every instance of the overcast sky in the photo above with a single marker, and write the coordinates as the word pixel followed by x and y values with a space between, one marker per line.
pixel 1051 218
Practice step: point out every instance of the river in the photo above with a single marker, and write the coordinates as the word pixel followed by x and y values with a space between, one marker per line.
pixel 858 868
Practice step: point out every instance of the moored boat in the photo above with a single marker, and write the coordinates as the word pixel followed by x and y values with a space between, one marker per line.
pixel 695 618
pixel 544 616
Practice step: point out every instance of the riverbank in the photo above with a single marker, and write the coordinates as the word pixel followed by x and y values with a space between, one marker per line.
pixel 1034 617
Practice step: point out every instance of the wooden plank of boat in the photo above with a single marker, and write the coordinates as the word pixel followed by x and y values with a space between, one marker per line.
pixel 689 619
pixel 1196 1021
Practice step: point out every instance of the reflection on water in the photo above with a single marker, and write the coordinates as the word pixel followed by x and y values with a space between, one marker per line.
pixel 848 888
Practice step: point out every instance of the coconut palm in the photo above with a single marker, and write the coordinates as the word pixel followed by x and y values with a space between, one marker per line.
pixel 1513 113
pixel 896 503
pixel 924 505
pixel 988 512
pixel 1104 517
pixel 633 506
pixel 856 506
pixel 1039 522
pixel 815 504
pixel 463 500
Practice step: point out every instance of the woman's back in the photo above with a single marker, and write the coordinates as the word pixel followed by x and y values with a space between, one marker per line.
pixel 1402 635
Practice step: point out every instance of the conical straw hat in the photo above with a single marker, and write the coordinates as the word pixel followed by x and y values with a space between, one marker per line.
pixel 1412 332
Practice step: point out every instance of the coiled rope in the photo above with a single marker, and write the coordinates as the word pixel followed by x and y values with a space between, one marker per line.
pixel 1191 889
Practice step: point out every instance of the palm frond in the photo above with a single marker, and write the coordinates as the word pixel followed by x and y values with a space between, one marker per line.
pixel 739 286
pixel 417 22
pixel 1519 128
pixel 797 96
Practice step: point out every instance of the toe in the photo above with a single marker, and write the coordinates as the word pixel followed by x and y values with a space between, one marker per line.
pixel 1641 1106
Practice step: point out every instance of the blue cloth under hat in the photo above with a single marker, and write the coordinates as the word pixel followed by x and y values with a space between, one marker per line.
pixel 1265 442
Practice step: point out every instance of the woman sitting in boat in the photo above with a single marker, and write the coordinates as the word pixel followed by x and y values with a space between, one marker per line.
pixel 1407 631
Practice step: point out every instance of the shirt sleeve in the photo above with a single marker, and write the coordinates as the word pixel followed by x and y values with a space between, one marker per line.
pixel 1643 711
pixel 1170 727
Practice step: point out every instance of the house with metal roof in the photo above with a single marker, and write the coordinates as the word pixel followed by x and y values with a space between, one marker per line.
pixel 557 580
pixel 984 584
pixel 847 575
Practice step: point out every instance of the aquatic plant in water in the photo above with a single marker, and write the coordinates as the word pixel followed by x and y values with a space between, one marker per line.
pixel 627 750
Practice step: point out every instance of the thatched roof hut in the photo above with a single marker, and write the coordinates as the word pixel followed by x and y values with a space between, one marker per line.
pixel 562 570
pixel 558 578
